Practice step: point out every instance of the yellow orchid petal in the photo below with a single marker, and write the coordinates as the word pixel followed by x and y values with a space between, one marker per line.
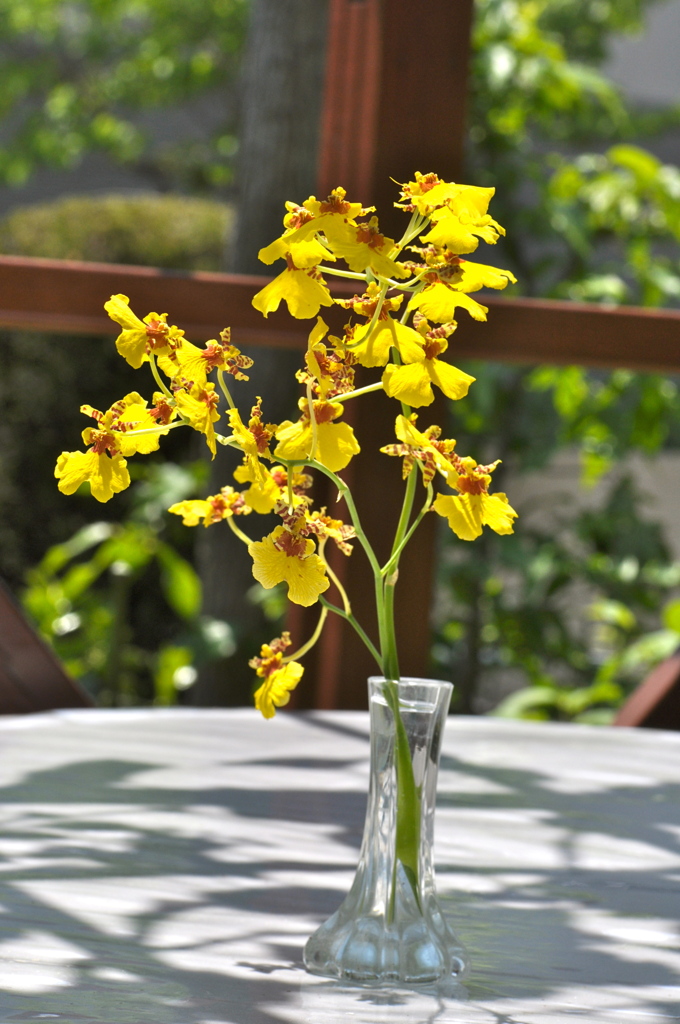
pixel 106 476
pixel 303 294
pixel 192 512
pixel 373 349
pixel 263 496
pixel 467 513
pixel 410 384
pixel 118 308
pixel 199 407
pixel 497 512
pixel 452 381
pixel 438 302
pixel 305 574
pixel 275 690
pixel 464 513
pixel 474 276
pixel 336 445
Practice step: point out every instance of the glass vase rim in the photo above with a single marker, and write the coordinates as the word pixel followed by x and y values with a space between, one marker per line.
pixel 438 684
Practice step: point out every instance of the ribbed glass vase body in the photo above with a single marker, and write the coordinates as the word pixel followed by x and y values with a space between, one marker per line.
pixel 390 928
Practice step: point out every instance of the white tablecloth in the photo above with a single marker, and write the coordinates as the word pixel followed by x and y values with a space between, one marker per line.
pixel 166 867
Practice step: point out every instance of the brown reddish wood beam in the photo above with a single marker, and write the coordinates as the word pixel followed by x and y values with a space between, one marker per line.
pixel 393 106
pixel 655 704
pixel 67 297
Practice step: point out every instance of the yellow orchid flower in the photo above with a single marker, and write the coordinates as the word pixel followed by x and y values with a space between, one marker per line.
pixel 279 679
pixel 330 372
pixel 265 493
pixel 211 510
pixel 460 230
pixel 373 347
pixel 114 437
pixel 193 364
pixel 124 419
pixel 335 206
pixel 473 508
pixel 458 273
pixel 363 247
pixel 253 439
pixel 327 217
pixel 305 252
pixel 199 406
pixel 412 383
pixel 303 290
pixel 284 557
pixel 139 337
pixel 335 442
pixel 423 447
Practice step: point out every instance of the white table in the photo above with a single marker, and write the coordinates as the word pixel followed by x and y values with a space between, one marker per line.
pixel 165 867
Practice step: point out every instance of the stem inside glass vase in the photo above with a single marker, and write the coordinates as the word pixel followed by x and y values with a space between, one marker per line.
pixel 390 928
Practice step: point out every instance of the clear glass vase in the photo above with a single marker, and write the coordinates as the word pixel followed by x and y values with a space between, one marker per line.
pixel 390 927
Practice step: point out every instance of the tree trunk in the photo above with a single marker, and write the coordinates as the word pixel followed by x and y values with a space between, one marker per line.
pixel 281 96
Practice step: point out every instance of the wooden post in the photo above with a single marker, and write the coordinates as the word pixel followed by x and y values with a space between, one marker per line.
pixel 393 104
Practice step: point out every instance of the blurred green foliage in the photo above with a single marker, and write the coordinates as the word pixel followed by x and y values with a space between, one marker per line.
pixel 569 606
pixel 177 232
pixel 75 76
pixel 122 607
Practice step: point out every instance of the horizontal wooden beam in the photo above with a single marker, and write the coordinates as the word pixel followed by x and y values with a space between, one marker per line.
pixel 64 296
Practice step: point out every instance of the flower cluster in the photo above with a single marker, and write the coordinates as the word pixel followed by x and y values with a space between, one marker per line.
pixel 400 322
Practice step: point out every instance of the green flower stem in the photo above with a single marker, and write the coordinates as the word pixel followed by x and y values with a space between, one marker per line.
pixel 231 441
pixel 225 389
pixel 333 577
pixel 354 515
pixel 394 557
pixel 349 274
pixel 359 391
pixel 310 643
pixel 312 421
pixel 238 531
pixel 374 318
pixel 155 430
pixel 353 622
pixel 157 378
pixel 407 840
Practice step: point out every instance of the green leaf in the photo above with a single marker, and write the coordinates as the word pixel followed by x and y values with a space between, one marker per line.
pixel 671 616
pixel 180 583
pixel 171 659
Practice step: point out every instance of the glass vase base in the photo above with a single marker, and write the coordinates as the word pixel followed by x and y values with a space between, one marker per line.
pixel 365 950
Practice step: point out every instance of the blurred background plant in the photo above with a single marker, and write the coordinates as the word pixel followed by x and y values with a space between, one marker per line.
pixel 591 214
pixel 120 604
pixel 80 78
pixel 590 217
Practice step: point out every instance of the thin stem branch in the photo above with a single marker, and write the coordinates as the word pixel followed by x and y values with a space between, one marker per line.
pixel 394 557
pixel 157 377
pixel 225 389
pixel 312 640
pixel 353 622
pixel 153 430
pixel 341 590
pixel 238 531
pixel 350 274
pixel 354 515
pixel 359 391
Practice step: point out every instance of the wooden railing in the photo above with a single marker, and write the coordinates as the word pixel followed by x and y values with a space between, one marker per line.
pixel 64 296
